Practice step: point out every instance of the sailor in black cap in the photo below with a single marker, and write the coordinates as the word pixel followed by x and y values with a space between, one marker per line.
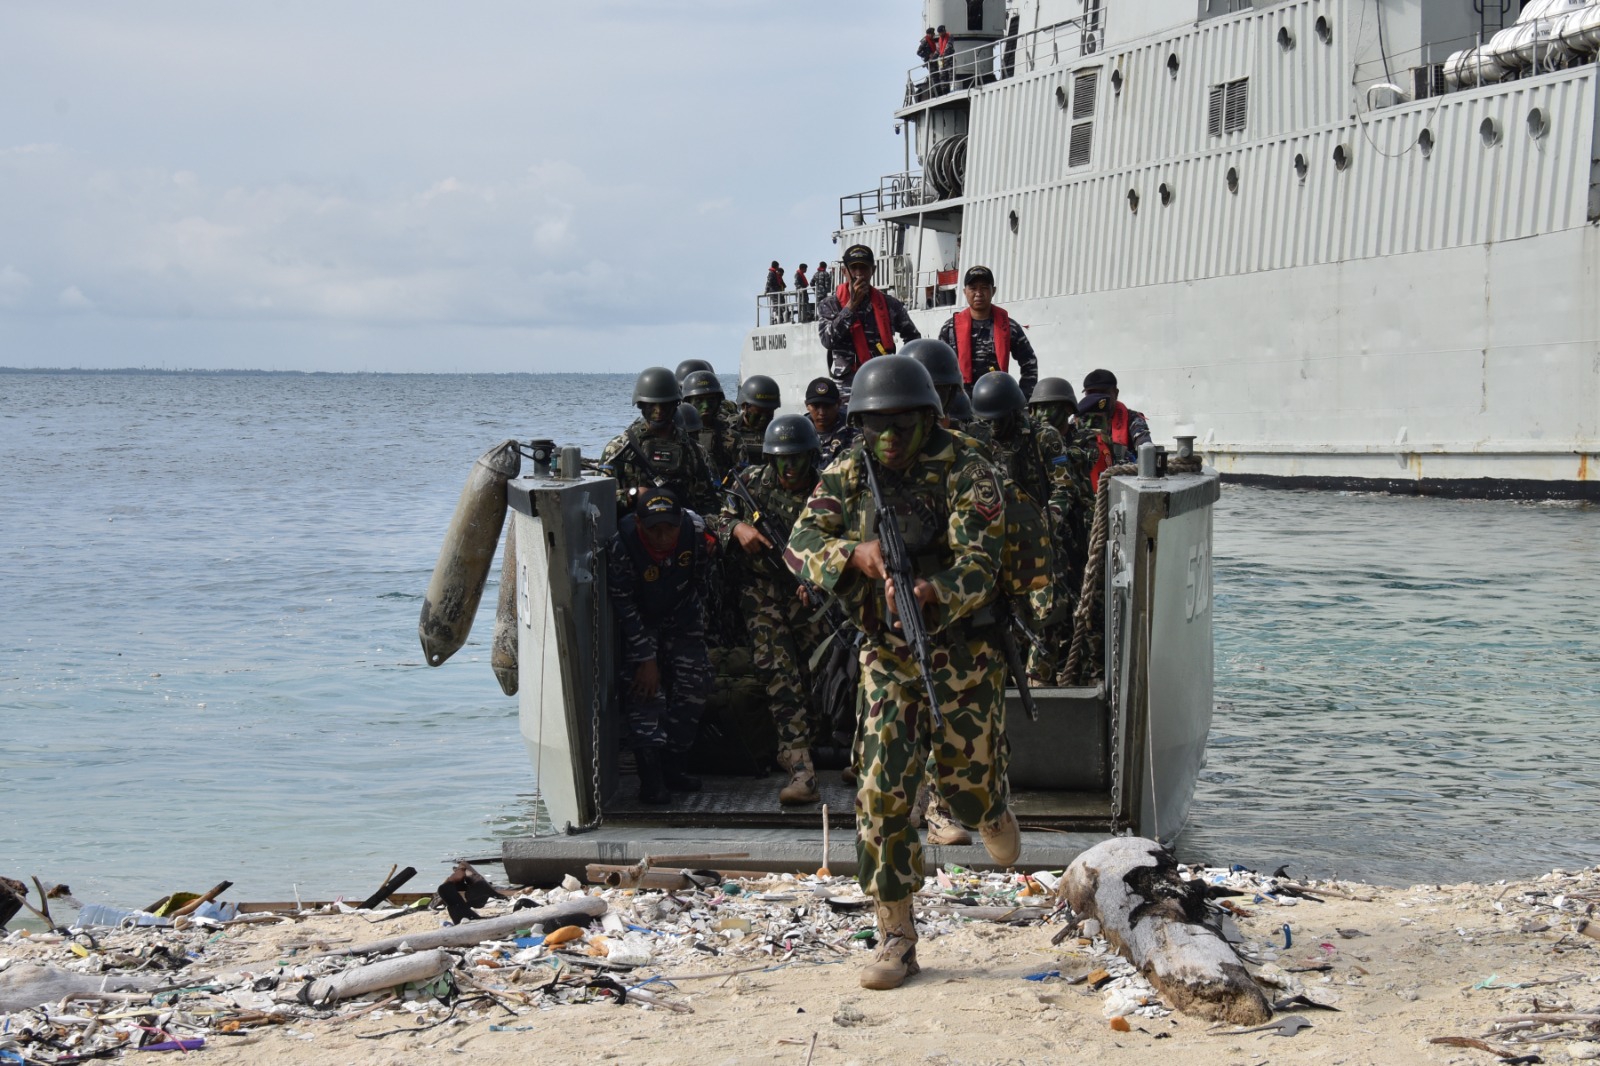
pixel 858 321
pixel 1128 427
pixel 985 337
pixel 658 583
pixel 822 407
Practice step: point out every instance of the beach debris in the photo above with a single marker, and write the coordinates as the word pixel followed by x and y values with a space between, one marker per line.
pixel 359 980
pixel 1288 1025
pixel 1156 920
pixel 390 886
pixel 555 915
pixel 823 871
pixel 465 890
pixel 28 984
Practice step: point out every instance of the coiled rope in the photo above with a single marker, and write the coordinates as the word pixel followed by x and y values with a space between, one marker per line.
pixel 1095 571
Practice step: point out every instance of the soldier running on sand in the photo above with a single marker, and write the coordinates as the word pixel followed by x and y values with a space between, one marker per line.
pixel 951 509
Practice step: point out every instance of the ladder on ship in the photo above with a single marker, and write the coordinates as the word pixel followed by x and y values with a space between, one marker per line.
pixel 1495 15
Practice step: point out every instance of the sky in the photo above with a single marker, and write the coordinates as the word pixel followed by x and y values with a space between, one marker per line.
pixel 398 186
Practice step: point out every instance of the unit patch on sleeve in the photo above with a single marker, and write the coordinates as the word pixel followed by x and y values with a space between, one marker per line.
pixel 986 495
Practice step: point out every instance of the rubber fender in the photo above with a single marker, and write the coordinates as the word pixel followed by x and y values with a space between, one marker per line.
pixel 468 549
pixel 503 655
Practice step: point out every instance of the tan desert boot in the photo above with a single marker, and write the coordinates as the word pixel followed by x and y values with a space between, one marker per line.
pixel 943 829
pixel 1003 838
pixel 897 947
pixel 802 786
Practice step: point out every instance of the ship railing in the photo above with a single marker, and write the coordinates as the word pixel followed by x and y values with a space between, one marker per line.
pixel 893 274
pixel 894 191
pixel 996 60
pixel 935 288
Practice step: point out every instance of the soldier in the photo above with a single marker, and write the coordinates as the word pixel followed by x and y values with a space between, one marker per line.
pixel 822 407
pixel 952 513
pixel 821 281
pixel 1128 428
pixel 985 337
pixel 654 451
pixel 1033 456
pixel 758 398
pixel 718 417
pixel 776 608
pixel 857 321
pixel 659 564
pixel 689 366
pixel 938 359
pixel 1054 403
pixel 1094 415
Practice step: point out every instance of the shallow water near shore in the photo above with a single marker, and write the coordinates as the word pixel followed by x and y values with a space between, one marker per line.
pixel 211 671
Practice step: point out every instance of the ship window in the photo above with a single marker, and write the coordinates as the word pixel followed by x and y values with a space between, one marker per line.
pixel 975 15
pixel 1061 97
pixel 1301 167
pixel 1085 87
pixel 1116 82
pixel 1172 64
pixel 1538 125
pixel 1285 38
pixel 1081 145
pixel 1489 130
pixel 1012 221
pixel 1233 180
pixel 1133 200
pixel 1165 192
pixel 1227 107
pixel 1341 157
pixel 1425 142
pixel 1324 29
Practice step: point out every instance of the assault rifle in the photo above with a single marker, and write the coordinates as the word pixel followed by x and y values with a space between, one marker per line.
pixel 1012 625
pixel 735 487
pixel 897 564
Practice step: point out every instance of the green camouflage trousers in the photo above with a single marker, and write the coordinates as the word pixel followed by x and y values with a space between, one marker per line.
pixel 782 638
pixel 967 757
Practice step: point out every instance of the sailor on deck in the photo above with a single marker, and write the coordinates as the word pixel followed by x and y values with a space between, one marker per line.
pixel 858 321
pixel 1128 428
pixel 985 337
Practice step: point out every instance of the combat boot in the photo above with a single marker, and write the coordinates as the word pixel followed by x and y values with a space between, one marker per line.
pixel 1003 838
pixel 652 788
pixel 943 829
pixel 897 947
pixel 802 785
pixel 675 779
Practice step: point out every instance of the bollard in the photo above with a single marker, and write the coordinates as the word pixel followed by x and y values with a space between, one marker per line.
pixel 571 466
pixel 1148 462
pixel 1185 447
pixel 541 451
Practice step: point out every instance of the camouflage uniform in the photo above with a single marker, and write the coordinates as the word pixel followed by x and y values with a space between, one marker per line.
pixel 983 357
pixel 837 442
pixel 674 461
pixel 781 627
pixel 954 525
pixel 749 444
pixel 660 611
pixel 720 442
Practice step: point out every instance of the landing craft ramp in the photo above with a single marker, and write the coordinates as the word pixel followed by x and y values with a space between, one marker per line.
pixel 1120 757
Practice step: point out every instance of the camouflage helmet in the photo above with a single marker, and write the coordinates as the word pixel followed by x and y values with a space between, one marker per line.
pixel 689 366
pixel 959 409
pixel 892 383
pixel 939 359
pixel 758 390
pixel 996 395
pixel 790 435
pixel 656 385
pixel 701 383
pixel 689 418
pixel 1054 390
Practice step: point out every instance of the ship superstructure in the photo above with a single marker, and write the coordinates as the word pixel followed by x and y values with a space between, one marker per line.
pixel 1343 242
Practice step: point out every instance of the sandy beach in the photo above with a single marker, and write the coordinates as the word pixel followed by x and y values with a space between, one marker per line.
pixel 1401 966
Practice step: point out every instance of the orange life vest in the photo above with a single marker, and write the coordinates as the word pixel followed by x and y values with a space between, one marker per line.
pixel 880 314
pixel 1002 341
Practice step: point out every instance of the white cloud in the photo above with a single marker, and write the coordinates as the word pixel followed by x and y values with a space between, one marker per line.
pixel 72 298
pixel 14 286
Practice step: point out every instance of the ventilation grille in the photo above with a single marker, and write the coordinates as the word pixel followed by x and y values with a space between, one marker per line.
pixel 1081 145
pixel 1228 107
pixel 1084 89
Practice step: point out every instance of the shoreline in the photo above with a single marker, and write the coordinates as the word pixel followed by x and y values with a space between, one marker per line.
pixel 760 970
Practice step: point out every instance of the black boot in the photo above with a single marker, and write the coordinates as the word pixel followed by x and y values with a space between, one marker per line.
pixel 652 789
pixel 672 773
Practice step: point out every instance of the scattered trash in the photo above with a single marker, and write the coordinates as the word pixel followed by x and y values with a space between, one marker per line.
pixel 1288 1025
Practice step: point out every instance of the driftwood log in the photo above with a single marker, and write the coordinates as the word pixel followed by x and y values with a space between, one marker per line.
pixel 576 911
pixel 25 984
pixel 1155 920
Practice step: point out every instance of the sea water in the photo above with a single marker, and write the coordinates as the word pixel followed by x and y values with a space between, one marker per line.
pixel 209 668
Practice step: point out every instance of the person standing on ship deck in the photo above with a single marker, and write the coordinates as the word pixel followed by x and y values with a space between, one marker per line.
pixel 821 282
pixel 985 337
pixel 942 50
pixel 1128 428
pixel 802 298
pixel 774 300
pixel 858 321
